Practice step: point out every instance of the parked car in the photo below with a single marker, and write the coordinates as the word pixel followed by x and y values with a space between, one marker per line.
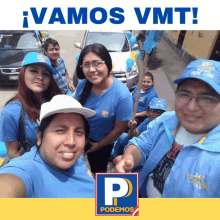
pixel 14 45
pixel 120 50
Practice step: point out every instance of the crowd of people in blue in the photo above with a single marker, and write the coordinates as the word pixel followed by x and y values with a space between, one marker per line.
pixel 47 130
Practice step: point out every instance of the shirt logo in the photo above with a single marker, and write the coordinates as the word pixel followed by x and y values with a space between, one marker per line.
pixel 41 58
pixel 104 114
pixel 196 181
pixel 142 100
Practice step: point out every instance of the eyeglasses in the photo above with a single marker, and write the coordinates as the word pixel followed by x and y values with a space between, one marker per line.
pixel 202 100
pixel 157 111
pixel 95 64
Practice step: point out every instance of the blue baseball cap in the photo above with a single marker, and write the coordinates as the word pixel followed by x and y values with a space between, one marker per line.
pixel 205 70
pixel 38 58
pixel 160 104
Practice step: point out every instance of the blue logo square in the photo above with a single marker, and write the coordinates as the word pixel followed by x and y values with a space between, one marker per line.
pixel 117 194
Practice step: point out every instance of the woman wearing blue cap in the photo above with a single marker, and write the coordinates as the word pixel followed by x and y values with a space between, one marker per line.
pixel 180 151
pixel 54 168
pixel 18 124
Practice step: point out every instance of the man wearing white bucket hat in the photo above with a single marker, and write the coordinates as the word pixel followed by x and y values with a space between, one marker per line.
pixel 180 151
pixel 54 167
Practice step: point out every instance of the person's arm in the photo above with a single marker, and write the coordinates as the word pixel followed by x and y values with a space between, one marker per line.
pixel 141 114
pixel 70 84
pixel 13 149
pixel 11 186
pixel 120 127
pixel 131 158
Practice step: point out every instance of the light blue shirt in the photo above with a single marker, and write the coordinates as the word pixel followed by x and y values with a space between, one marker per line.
pixel 42 181
pixel 143 126
pixel 144 98
pixel 113 104
pixel 193 161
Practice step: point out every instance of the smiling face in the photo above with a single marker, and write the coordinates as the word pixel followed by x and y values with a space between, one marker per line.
pixel 146 83
pixel 37 78
pixel 194 118
pixel 53 52
pixel 63 141
pixel 154 113
pixel 97 76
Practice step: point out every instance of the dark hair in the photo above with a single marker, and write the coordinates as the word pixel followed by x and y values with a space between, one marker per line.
pixel 28 99
pixel 46 121
pixel 48 42
pixel 103 53
pixel 150 75
pixel 178 86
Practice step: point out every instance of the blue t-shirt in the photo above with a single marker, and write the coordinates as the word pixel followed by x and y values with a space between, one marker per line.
pixel 143 126
pixel 144 98
pixel 113 104
pixel 42 181
pixel 9 123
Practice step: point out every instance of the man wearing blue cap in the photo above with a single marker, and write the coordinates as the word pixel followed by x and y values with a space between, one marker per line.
pixel 156 108
pixel 180 151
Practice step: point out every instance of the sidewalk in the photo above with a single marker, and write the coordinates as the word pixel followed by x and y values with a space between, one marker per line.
pixel 173 65
pixel 171 69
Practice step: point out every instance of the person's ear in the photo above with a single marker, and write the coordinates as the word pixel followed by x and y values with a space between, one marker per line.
pixel 39 138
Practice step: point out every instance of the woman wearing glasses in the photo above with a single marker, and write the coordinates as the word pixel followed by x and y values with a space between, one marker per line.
pixel 180 151
pixel 108 97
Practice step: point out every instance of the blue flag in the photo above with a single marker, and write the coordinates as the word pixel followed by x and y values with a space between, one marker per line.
pixel 151 40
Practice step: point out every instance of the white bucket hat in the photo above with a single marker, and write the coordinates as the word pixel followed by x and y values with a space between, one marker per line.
pixel 64 104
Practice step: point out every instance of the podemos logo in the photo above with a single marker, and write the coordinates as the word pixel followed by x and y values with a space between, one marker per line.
pixel 117 194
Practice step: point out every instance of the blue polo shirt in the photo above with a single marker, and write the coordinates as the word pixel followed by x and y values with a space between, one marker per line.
pixel 42 181
pixel 143 126
pixel 113 104
pixel 144 98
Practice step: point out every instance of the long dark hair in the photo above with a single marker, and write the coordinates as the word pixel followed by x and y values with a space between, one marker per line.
pixel 103 53
pixel 28 99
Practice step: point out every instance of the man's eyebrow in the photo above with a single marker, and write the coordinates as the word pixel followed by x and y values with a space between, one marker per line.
pixel 64 126
pixel 60 125
pixel 211 93
pixel 183 90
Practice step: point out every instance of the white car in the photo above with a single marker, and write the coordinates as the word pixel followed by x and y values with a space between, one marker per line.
pixel 120 50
